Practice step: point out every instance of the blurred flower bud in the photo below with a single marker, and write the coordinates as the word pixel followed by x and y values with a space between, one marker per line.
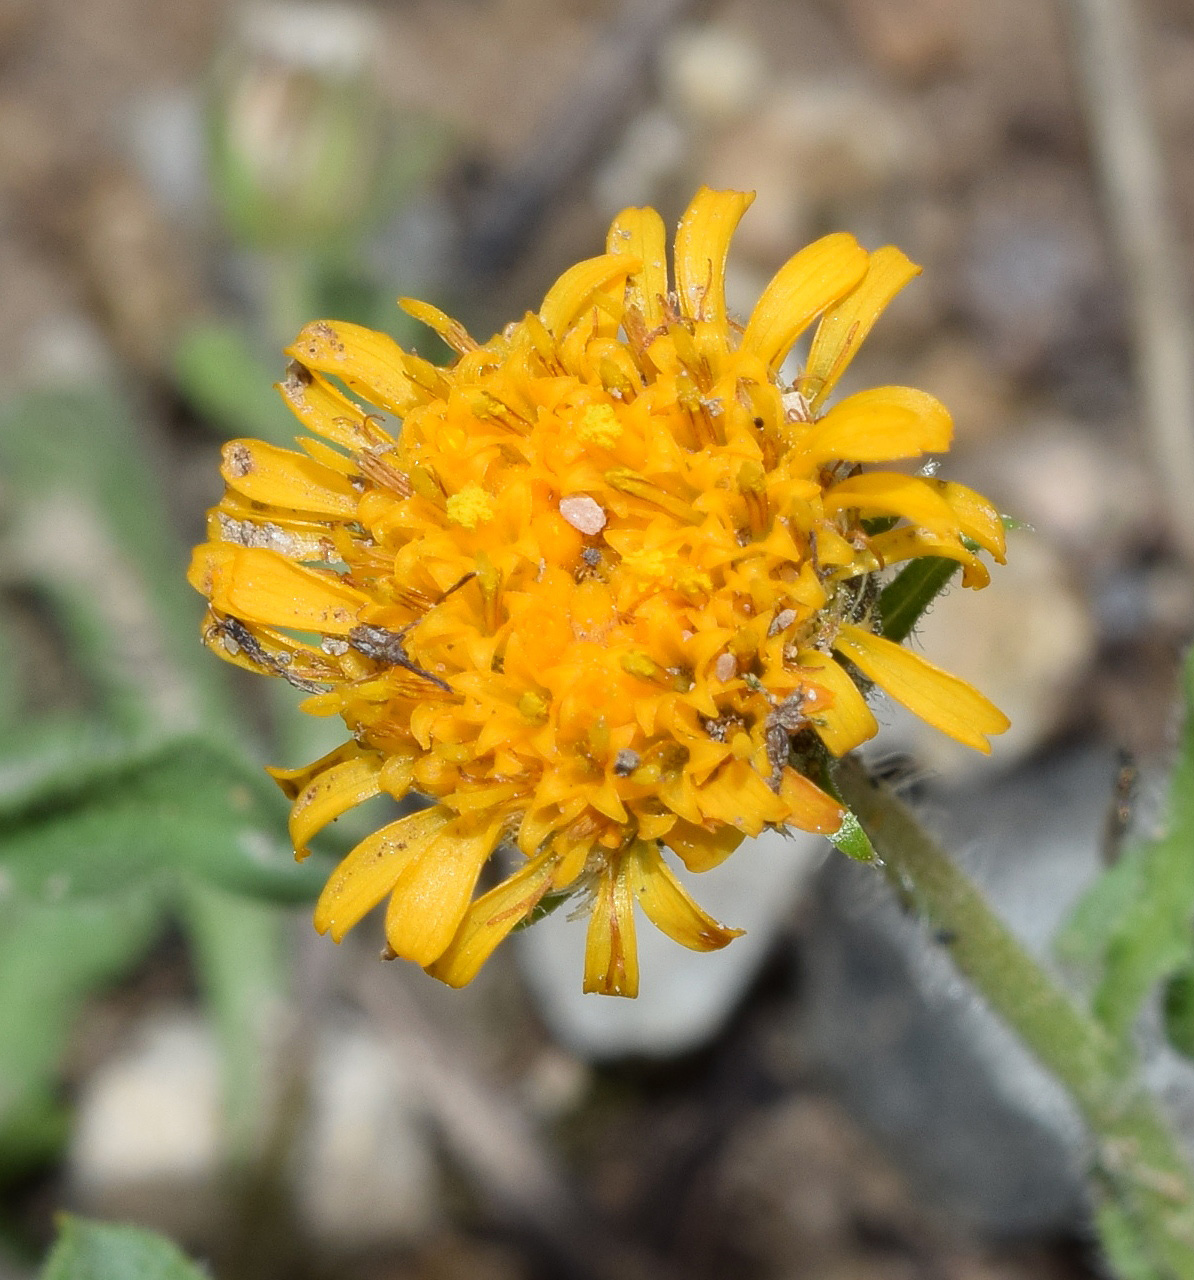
pixel 296 124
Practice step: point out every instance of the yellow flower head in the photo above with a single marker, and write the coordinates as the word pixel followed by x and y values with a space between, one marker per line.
pixel 595 595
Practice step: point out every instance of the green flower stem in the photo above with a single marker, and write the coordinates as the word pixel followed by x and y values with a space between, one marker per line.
pixel 1138 1166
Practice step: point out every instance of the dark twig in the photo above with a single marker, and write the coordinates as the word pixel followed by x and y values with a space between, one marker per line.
pixel 507 211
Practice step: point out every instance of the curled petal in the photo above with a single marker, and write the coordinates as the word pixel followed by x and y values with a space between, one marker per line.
pixel 979 519
pixel 890 493
pixel 843 327
pixel 640 233
pixel 574 290
pixel 611 948
pixel 454 334
pixel 810 281
pixel 331 793
pixel 907 543
pixel 491 917
pixel 702 244
pixel 372 869
pixel 668 906
pixel 326 410
pixel 880 425
pixel 291 782
pixel 369 363
pixel 944 701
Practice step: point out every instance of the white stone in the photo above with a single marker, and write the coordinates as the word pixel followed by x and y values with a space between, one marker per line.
pixel 365 1173
pixel 583 513
pixel 712 74
pixel 147 1139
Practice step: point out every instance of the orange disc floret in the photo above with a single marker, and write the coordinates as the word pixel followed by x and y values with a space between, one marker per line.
pixel 596 592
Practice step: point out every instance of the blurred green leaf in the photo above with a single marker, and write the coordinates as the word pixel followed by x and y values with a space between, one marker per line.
pixel 51 958
pixel 90 826
pixel 1125 1245
pixel 221 377
pixel 105 1251
pixel 90 528
pixel 1136 923
pixel 1101 910
pixel 239 952
pixel 1179 1012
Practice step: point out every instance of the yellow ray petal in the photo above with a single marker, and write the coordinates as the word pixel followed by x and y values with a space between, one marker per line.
pixel 491 917
pixel 907 543
pixel 432 893
pixel 810 281
pixel 330 794
pixel 262 586
pixel 641 234
pixel 668 906
pixel 940 699
pixel 454 334
pixel 890 493
pixel 979 519
pixel 574 290
pixel 372 869
pixel 843 328
pixel 292 782
pixel 880 425
pixel 611 947
pixel 702 244
pixel 371 364
pixel 698 847
pixel 326 410
pixel 810 808
pixel 849 722
pixel 283 478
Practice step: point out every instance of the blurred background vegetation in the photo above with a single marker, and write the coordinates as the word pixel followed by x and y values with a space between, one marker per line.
pixel 183 184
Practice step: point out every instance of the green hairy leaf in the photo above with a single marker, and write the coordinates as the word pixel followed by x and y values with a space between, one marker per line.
pixel 1135 925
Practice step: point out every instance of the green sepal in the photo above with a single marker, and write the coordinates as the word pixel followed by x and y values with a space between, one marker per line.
pixel 903 601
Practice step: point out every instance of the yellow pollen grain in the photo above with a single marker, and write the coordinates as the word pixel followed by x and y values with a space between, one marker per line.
pixel 533 707
pixel 646 563
pixel 470 507
pixel 599 425
pixel 693 582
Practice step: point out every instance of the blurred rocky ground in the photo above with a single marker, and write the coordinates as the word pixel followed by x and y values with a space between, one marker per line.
pixel 822 1099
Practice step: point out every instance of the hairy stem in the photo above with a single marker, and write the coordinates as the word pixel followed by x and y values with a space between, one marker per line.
pixel 1137 1162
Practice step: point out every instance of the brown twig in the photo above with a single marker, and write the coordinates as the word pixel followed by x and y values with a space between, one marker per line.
pixel 1128 153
